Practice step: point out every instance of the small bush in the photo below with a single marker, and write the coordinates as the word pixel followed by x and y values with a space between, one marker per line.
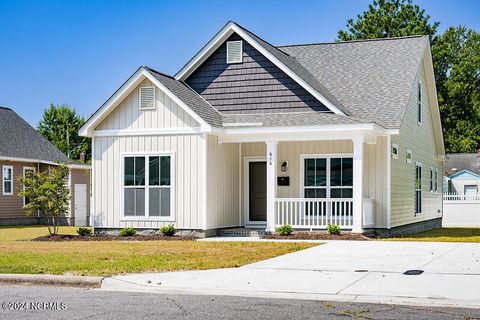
pixel 285 230
pixel 127 232
pixel 333 229
pixel 84 232
pixel 168 230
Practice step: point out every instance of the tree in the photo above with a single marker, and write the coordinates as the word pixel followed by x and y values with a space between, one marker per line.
pixel 456 56
pixel 60 125
pixel 48 194
pixel 389 18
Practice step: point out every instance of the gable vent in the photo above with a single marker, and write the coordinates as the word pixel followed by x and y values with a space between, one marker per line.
pixel 147 98
pixel 234 51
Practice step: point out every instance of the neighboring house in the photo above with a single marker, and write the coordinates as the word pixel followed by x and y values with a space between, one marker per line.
pixel 23 149
pixel 462 171
pixel 248 134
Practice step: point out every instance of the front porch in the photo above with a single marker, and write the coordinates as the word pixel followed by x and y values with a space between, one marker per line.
pixel 310 181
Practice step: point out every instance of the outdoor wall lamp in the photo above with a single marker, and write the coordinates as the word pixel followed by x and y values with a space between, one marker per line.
pixel 284 166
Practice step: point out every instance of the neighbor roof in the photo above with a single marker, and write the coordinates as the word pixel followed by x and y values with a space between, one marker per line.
pixel 461 161
pixel 19 140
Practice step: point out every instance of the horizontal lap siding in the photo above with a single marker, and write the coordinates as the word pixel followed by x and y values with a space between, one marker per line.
pixel 222 184
pixel 256 85
pixel 11 205
pixel 420 139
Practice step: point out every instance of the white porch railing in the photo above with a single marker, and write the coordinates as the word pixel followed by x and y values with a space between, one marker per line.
pixel 314 213
pixel 461 197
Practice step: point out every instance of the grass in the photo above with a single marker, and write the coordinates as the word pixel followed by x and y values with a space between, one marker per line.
pixel 106 258
pixel 443 235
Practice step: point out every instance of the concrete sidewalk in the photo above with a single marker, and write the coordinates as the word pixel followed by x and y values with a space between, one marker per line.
pixel 369 271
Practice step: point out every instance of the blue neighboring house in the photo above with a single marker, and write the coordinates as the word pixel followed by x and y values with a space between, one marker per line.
pixel 462 173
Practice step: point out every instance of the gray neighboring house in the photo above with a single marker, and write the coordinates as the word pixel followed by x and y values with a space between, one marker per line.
pixel 252 135
pixel 462 173
pixel 23 149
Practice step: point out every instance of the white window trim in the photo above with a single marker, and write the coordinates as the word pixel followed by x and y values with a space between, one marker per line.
pixel 23 187
pixel 241 52
pixel 11 181
pixel 394 146
pixel 171 218
pixel 419 103
pixel 419 164
pixel 140 98
pixel 328 156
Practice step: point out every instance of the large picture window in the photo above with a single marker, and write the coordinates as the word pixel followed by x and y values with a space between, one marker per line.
pixel 328 177
pixel 147 183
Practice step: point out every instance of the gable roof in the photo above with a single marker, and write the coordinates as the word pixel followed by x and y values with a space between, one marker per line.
pixel 461 161
pixel 465 172
pixel 19 140
pixel 373 79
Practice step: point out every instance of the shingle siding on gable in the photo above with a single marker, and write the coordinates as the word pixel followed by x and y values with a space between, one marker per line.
pixel 254 86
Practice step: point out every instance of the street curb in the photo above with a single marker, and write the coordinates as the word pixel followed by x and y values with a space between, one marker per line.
pixel 52 280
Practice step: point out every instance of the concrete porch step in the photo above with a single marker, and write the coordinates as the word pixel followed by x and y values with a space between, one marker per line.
pixel 241 232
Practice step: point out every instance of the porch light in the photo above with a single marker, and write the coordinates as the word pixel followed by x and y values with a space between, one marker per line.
pixel 284 166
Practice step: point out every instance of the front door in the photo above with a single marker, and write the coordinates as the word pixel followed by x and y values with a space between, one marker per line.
pixel 80 205
pixel 257 173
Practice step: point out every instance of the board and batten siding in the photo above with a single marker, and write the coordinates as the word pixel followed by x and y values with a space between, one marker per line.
pixel 189 157
pixel 421 140
pixel 375 168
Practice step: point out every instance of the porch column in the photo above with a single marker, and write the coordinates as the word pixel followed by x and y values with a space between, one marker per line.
pixel 271 183
pixel 357 184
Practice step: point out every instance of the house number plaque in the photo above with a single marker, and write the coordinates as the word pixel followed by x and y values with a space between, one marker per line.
pixel 270 158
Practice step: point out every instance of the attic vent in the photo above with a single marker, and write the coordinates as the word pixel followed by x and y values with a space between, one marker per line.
pixel 147 98
pixel 234 51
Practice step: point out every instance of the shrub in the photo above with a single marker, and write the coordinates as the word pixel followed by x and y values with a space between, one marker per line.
pixel 168 230
pixel 333 229
pixel 127 232
pixel 285 230
pixel 84 232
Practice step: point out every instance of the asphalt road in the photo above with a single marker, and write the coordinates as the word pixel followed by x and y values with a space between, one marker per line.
pixel 72 304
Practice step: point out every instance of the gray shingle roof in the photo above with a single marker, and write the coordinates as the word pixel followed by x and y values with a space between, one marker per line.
pixel 192 99
pixel 460 161
pixel 372 79
pixel 19 140
pixel 310 118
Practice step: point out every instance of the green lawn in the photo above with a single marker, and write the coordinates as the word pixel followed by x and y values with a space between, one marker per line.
pixel 106 258
pixel 443 235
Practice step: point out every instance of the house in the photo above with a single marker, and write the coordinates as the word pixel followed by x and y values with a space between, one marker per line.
pixel 23 149
pixel 462 173
pixel 248 134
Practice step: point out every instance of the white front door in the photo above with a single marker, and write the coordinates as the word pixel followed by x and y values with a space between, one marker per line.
pixel 80 205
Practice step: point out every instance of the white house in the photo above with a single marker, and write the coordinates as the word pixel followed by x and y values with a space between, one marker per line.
pixel 248 134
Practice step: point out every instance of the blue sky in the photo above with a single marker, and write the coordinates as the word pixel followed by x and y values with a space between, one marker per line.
pixel 80 52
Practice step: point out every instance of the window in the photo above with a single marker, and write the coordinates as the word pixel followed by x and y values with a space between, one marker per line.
pixel 7 180
pixel 328 177
pixel 470 190
pixel 436 180
pixel 419 109
pixel 409 156
pixel 147 98
pixel 148 186
pixel 234 51
pixel 418 188
pixel 26 172
pixel 394 151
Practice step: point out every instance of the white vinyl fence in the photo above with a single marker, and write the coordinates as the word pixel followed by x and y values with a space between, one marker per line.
pixel 461 210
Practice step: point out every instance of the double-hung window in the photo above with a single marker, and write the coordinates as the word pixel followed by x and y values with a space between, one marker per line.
pixel 328 177
pixel 418 188
pixel 148 187
pixel 7 179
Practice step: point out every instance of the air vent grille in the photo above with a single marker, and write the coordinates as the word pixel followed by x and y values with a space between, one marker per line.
pixel 234 51
pixel 147 97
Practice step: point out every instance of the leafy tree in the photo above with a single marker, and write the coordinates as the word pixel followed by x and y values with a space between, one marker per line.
pixel 60 125
pixel 456 56
pixel 48 194
pixel 389 18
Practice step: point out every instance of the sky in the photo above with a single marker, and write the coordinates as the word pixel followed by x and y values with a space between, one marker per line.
pixel 79 52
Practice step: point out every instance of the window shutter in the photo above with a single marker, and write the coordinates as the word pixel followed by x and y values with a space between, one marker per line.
pixel 234 52
pixel 147 97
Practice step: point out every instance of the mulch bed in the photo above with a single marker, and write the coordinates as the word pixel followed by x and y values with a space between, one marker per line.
pixel 318 236
pixel 105 237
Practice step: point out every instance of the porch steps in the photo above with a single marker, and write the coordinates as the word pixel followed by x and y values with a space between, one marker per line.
pixel 241 232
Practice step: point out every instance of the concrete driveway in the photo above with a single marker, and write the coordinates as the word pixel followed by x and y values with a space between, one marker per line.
pixel 370 271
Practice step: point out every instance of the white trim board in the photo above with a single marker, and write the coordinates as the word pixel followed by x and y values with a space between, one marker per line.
pixel 220 38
